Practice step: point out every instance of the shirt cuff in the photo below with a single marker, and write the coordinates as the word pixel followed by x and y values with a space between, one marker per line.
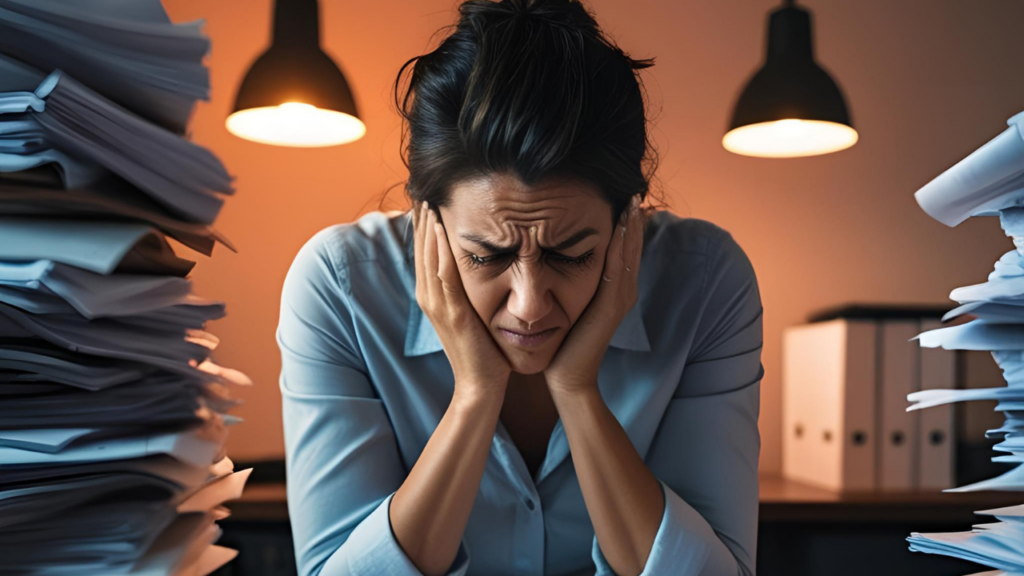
pixel 373 550
pixel 681 546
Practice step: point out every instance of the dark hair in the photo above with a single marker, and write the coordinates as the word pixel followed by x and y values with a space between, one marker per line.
pixel 530 88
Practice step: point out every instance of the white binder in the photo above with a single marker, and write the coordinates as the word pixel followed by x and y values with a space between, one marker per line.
pixel 829 395
pixel 896 433
pixel 936 432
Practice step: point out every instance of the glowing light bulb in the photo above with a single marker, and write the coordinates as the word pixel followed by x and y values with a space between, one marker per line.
pixel 789 138
pixel 295 124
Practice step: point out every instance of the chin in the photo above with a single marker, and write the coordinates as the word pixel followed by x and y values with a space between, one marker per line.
pixel 530 362
pixel 529 367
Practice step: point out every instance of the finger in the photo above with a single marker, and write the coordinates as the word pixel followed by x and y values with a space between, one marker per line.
pixel 613 260
pixel 430 278
pixel 635 236
pixel 451 282
pixel 417 245
pixel 628 226
pixel 417 218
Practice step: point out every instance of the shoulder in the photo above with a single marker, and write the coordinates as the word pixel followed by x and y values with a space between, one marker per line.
pixel 705 291
pixel 705 303
pixel 705 250
pixel 375 236
pixel 378 237
pixel 667 233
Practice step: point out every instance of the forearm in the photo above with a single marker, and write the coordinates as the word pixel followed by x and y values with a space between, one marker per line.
pixel 430 510
pixel 623 498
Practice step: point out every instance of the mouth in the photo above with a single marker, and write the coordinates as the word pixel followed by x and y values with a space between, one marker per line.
pixel 531 339
pixel 521 333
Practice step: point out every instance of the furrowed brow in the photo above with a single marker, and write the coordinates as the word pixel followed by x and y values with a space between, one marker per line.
pixel 567 243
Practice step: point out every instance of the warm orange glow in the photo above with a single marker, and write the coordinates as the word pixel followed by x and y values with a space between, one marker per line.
pixel 296 124
pixel 789 138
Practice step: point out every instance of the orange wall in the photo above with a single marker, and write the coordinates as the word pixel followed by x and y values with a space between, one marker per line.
pixel 928 81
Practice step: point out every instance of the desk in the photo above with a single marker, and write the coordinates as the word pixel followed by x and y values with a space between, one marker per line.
pixel 784 500
pixel 803 530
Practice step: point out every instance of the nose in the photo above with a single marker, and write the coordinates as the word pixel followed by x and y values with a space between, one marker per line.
pixel 530 300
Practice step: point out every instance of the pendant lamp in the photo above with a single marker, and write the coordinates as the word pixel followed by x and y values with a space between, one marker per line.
pixel 294 94
pixel 790 107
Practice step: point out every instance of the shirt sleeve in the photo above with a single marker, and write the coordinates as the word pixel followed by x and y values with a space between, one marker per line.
pixel 705 452
pixel 342 459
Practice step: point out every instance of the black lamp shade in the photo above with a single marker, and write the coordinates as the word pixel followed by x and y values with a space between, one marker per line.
pixel 294 94
pixel 310 77
pixel 792 86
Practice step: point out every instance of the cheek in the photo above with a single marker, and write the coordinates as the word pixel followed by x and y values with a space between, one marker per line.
pixel 483 296
pixel 576 293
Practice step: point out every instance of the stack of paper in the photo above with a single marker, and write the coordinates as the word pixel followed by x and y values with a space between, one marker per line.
pixel 127 50
pixel 995 544
pixel 988 182
pixel 87 136
pixel 113 412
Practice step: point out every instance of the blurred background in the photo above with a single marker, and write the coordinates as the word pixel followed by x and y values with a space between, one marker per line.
pixel 926 82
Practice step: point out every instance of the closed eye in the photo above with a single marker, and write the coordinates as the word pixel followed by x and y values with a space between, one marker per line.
pixel 581 261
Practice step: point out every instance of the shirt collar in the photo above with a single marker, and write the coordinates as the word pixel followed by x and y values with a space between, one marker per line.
pixel 421 338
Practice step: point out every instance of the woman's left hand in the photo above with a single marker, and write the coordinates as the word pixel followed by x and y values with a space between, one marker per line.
pixel 578 360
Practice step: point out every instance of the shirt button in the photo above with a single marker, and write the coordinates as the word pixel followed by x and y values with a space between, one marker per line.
pixel 530 504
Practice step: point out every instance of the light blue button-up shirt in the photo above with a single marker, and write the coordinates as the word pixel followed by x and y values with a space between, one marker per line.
pixel 365 381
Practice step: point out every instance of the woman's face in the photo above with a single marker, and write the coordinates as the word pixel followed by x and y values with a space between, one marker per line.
pixel 530 258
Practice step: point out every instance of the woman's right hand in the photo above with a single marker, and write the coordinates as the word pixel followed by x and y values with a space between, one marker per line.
pixel 479 366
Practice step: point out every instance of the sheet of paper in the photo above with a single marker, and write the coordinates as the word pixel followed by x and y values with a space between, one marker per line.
pixel 100 247
pixel 216 493
pixel 974 335
pixel 196 446
pixel 987 180
pixel 170 350
pixel 109 197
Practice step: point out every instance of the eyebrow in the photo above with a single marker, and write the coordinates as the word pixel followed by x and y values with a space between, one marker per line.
pixel 567 243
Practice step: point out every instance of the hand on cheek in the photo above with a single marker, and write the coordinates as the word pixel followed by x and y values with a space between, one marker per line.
pixel 577 362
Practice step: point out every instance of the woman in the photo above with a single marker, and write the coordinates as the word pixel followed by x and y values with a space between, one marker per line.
pixel 528 372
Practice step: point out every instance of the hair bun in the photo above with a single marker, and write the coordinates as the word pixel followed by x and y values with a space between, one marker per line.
pixel 563 13
pixel 542 7
pixel 529 88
